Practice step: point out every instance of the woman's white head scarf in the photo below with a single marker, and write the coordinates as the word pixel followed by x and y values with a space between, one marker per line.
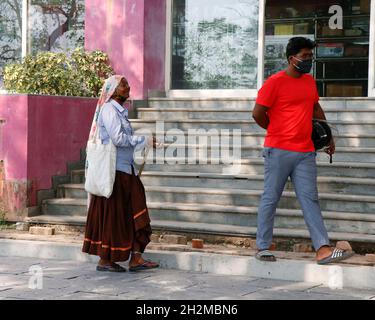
pixel 107 92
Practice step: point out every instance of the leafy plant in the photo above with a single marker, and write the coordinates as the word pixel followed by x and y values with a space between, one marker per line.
pixel 2 217
pixel 79 74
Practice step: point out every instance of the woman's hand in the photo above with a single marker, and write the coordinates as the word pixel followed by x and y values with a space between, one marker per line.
pixel 152 141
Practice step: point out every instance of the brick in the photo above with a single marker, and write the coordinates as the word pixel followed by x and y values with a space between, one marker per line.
pixel 42 231
pixel 272 247
pixel 197 243
pixel 173 239
pixel 154 238
pixel 370 257
pixel 344 245
pixel 253 244
pixel 302 247
pixel 22 226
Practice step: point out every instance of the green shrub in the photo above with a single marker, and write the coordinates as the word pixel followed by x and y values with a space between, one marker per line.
pixel 78 74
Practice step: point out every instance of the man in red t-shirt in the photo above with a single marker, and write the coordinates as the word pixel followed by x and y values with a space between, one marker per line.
pixel 285 106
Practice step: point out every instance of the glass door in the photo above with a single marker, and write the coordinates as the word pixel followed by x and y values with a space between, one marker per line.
pixel 341 66
pixel 214 46
pixel 371 78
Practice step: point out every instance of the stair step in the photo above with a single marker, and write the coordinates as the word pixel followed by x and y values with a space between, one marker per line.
pixel 202 103
pixel 256 166
pixel 247 216
pixel 360 186
pixel 222 196
pixel 58 220
pixel 229 230
pixel 250 166
pixel 358 127
pixel 213 229
pixel 341 185
pixel 352 139
pixel 199 152
pixel 241 197
pixel 65 206
pixel 243 114
pixel 214 208
pixel 241 103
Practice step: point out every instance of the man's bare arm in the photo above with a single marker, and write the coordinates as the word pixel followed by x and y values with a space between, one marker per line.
pixel 260 116
pixel 318 112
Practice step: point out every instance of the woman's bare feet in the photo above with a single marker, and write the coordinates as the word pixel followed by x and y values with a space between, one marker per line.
pixel 107 265
pixel 136 259
pixel 104 263
pixel 138 263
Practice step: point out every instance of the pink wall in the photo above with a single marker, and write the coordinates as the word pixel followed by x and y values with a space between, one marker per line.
pixel 58 130
pixel 13 135
pixel 41 134
pixel 132 32
pixel 13 152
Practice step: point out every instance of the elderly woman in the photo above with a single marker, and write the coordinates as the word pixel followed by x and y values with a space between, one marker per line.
pixel 119 227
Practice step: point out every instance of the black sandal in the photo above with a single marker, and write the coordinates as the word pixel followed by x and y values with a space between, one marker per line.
pixel 114 267
pixel 144 266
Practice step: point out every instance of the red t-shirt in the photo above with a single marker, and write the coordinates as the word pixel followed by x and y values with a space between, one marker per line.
pixel 291 104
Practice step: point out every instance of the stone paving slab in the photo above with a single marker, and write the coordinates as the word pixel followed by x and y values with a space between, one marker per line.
pixel 157 284
pixel 355 293
pixel 269 294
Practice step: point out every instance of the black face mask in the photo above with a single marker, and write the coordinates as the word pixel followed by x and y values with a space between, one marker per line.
pixel 304 66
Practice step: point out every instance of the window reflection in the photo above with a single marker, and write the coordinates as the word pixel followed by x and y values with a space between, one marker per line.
pixel 215 44
pixel 10 32
pixel 56 25
pixel 341 55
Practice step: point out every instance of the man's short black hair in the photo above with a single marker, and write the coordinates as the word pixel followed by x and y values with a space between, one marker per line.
pixel 296 44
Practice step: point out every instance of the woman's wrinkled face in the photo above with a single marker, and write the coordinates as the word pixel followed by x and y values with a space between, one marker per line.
pixel 122 91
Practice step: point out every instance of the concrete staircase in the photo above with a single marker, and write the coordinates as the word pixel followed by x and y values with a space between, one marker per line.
pixel 222 199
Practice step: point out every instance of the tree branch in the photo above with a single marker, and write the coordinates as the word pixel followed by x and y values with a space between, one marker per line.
pixel 60 30
pixel 17 10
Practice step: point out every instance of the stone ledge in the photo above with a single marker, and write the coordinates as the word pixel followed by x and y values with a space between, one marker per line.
pixel 75 238
pixel 337 276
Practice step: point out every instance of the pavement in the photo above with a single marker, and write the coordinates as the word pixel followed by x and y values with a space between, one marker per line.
pixel 44 279
pixel 216 272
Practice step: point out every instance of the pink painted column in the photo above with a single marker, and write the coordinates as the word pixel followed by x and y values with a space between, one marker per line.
pixel 155 39
pixel 132 33
pixel 14 134
pixel 14 186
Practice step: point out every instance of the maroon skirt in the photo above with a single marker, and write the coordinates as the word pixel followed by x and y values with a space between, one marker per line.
pixel 115 224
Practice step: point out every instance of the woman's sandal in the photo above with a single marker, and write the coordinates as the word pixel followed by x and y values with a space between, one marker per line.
pixel 114 267
pixel 336 255
pixel 265 255
pixel 144 266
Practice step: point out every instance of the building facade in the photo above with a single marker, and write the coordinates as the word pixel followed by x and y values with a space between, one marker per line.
pixel 213 48
pixel 193 48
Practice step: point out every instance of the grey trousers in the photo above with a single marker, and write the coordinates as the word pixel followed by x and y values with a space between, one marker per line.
pixel 301 168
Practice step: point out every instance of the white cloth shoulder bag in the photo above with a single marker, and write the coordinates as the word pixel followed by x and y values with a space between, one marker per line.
pixel 100 166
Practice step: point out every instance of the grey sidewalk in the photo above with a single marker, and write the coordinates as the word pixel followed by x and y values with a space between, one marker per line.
pixel 73 280
pixel 219 262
